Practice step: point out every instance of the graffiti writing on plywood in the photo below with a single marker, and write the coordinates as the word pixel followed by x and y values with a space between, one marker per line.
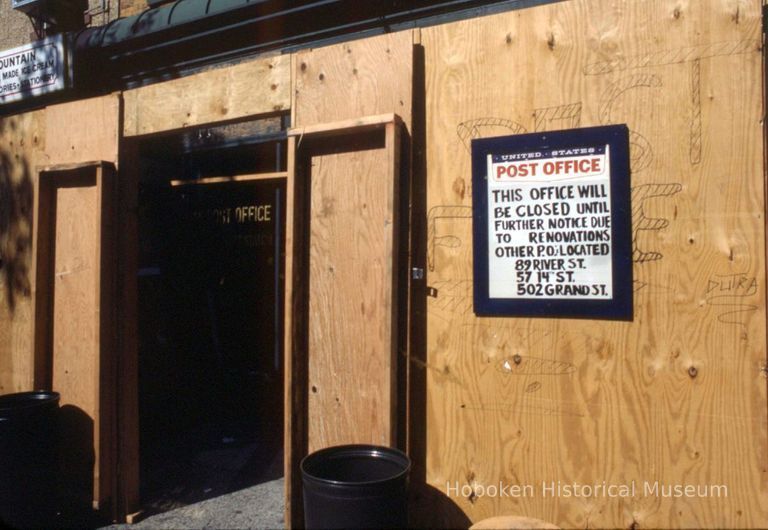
pixel 731 294
pixel 641 152
pixel 436 238
pixel 640 221
pixel 692 55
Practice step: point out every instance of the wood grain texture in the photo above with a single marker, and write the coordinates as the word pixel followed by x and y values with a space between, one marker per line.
pixel 360 125
pixel 342 345
pixel 74 338
pixel 261 86
pixel 294 387
pixel 676 396
pixel 352 80
pixel 350 299
pixel 75 320
pixel 76 360
pixel 81 131
pixel 22 143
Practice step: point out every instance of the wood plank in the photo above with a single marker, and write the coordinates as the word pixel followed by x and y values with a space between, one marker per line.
pixel 80 131
pixel 334 89
pixel 75 355
pixel 106 483
pixel 295 387
pixel 261 86
pixel 289 444
pixel 22 141
pixel 392 141
pixel 75 322
pixel 45 205
pixel 233 178
pixel 77 133
pixel 128 494
pixel 350 300
pixel 335 128
pixel 674 396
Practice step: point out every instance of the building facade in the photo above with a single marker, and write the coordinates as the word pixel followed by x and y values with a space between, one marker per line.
pixel 271 215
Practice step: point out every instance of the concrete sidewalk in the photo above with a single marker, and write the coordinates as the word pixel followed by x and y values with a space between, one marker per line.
pixel 259 506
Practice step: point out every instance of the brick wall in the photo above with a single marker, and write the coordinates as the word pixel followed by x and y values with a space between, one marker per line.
pixel 15 28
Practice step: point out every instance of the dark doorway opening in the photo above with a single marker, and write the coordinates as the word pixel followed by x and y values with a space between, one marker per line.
pixel 211 260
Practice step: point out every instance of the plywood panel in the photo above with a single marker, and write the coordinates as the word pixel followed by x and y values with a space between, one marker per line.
pixel 350 300
pixel 75 346
pixel 676 396
pixel 22 141
pixel 351 216
pixel 337 89
pixel 82 131
pixel 75 297
pixel 256 87
pixel 354 79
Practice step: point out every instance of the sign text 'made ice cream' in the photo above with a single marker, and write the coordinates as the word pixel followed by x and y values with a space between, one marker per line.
pixel 33 69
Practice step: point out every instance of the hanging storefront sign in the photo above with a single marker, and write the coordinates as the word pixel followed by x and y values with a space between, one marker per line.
pixel 552 224
pixel 34 69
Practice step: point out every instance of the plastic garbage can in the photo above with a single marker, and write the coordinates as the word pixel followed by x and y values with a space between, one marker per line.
pixel 356 486
pixel 29 434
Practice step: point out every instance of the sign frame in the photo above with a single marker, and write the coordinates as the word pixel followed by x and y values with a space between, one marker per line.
pixel 619 306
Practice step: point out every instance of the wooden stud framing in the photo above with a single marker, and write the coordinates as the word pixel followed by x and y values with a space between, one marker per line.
pixel 75 319
pixel 307 421
pixel 234 178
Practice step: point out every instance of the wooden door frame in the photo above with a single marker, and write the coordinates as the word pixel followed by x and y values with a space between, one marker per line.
pixel 300 141
pixel 50 178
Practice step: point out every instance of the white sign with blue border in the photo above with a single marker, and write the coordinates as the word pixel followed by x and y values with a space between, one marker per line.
pixel 552 224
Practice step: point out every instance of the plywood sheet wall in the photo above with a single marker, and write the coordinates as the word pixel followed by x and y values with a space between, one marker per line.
pixel 348 365
pixel 678 395
pixel 366 77
pixel 78 312
pixel 261 86
pixel 351 354
pixel 83 131
pixel 350 357
pixel 75 350
pixel 22 144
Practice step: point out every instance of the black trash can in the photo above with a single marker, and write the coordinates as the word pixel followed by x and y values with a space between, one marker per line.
pixel 356 486
pixel 29 426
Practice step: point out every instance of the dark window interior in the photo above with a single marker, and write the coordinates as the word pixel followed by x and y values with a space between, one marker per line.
pixel 210 312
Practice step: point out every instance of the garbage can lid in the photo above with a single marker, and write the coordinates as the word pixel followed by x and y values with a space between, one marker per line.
pixel 355 464
pixel 22 401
